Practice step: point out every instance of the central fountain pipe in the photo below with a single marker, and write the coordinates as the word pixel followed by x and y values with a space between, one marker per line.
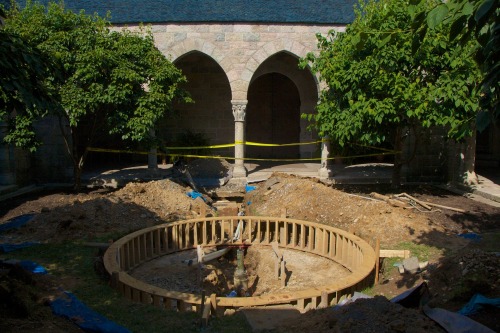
pixel 240 274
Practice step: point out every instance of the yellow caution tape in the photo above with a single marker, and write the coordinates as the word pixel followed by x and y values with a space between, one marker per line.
pixel 250 143
pixel 102 150
pixel 202 147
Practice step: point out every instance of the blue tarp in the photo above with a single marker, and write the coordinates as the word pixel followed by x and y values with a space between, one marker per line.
pixel 70 307
pixel 472 236
pixel 16 222
pixel 4 248
pixel 32 267
pixel 194 195
pixel 476 303
pixel 249 188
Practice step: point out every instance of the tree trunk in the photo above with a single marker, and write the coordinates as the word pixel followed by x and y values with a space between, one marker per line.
pixel 77 174
pixel 466 160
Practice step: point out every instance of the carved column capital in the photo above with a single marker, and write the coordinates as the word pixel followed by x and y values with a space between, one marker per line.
pixel 239 110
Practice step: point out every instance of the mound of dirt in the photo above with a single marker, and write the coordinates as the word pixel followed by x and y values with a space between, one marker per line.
pixel 83 216
pixel 24 302
pixel 310 200
pixel 373 315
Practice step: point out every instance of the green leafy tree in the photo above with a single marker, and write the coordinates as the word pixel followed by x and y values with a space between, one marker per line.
pixel 116 80
pixel 24 94
pixel 468 20
pixel 379 90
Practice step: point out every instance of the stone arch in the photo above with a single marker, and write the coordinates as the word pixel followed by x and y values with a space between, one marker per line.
pixel 209 120
pixel 299 77
pixel 188 46
pixel 240 79
pixel 281 112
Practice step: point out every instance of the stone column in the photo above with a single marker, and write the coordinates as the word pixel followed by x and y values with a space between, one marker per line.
pixel 325 171
pixel 239 111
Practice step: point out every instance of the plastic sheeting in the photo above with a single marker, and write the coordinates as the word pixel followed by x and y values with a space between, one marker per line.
pixel 476 303
pixel 4 248
pixel 32 267
pixel 16 222
pixel 70 307
pixel 454 322
pixel 471 236
pixel 194 195
pixel 414 297
pixel 249 188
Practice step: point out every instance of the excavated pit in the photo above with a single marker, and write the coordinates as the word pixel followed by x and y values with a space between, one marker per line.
pixel 287 261
pixel 303 271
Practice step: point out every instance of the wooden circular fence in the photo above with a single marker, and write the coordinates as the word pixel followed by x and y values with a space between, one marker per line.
pixel 147 244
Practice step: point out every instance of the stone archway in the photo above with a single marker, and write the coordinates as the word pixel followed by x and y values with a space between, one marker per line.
pixel 273 116
pixel 210 115
pixel 278 94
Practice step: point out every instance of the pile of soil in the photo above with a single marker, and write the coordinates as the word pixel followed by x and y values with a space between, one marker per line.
pixel 453 275
pixel 370 315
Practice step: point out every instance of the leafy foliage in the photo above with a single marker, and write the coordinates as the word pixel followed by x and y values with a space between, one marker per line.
pixel 117 80
pixel 379 89
pixel 24 94
pixel 470 20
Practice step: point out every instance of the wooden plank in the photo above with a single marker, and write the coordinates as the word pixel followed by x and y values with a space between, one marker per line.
pixel 195 234
pixel 268 225
pixel 325 247
pixel 394 253
pixel 175 238
pixel 206 312
pixel 167 244
pixel 302 236
pixel 213 303
pixel 333 238
pixel 446 207
pixel 204 232
pixel 377 260
pixel 324 300
pixel 283 274
pixel 157 242
pixel 214 233
pixel 301 305
pixel 310 241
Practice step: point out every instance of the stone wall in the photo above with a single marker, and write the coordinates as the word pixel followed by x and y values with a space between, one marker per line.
pixel 51 162
pixel 428 155
pixel 238 48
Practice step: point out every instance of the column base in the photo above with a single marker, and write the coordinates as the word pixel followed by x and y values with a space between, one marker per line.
pixel 239 171
pixel 324 173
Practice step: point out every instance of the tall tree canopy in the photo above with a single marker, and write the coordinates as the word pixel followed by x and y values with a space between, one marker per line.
pixel 379 90
pixel 470 20
pixel 113 79
pixel 23 86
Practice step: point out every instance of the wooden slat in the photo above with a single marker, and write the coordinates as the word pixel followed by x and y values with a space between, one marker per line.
pixel 395 253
